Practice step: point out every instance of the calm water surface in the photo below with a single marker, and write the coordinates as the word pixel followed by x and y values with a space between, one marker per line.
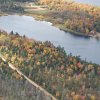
pixel 88 48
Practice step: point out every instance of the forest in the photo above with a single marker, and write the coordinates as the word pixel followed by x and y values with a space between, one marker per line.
pixel 17 88
pixel 82 18
pixel 13 5
pixel 65 76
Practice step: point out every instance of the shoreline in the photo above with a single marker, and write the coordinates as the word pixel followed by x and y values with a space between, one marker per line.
pixel 47 70
pixel 60 26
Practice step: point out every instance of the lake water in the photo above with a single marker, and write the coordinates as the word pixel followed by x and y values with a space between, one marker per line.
pixel 88 48
pixel 91 2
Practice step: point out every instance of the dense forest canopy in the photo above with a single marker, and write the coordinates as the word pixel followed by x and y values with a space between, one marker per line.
pixel 75 16
pixel 63 75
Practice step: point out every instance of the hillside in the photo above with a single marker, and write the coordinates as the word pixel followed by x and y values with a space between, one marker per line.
pixel 64 76
pixel 14 86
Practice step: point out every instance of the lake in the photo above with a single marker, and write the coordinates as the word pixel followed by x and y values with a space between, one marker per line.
pixel 91 2
pixel 87 48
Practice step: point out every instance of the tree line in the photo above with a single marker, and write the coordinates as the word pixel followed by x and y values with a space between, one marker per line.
pixel 79 17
